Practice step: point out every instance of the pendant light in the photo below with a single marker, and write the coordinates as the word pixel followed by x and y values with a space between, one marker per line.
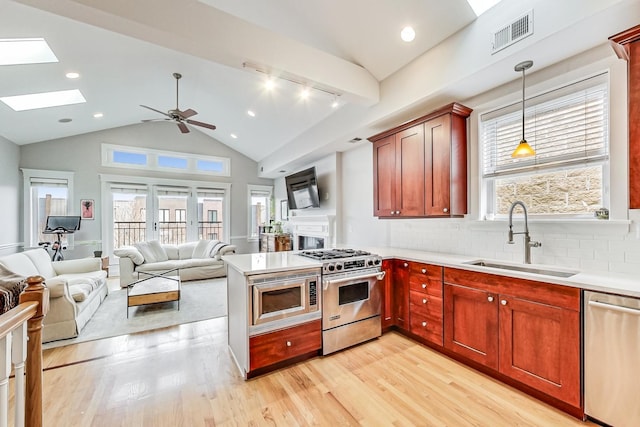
pixel 523 149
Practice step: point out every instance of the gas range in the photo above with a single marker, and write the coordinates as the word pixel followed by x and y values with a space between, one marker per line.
pixel 343 260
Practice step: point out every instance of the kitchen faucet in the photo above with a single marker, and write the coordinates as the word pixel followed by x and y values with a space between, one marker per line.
pixel 528 244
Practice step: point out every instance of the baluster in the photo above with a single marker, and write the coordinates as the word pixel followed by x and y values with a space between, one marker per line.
pixel 5 370
pixel 19 355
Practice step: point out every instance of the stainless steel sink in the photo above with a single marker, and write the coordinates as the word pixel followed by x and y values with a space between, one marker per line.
pixel 524 268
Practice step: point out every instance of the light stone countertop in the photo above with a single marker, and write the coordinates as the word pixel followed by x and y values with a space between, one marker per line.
pixel 271 262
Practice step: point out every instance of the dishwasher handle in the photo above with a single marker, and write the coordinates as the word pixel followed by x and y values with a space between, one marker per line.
pixel 614 307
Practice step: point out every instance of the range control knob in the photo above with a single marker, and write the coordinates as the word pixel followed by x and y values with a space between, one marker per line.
pixel 338 266
pixel 370 262
pixel 331 267
pixel 377 261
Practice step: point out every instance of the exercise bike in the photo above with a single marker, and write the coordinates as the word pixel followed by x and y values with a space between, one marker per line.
pixel 59 225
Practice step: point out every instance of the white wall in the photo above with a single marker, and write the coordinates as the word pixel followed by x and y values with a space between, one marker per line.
pixel 11 196
pixel 595 245
pixel 81 154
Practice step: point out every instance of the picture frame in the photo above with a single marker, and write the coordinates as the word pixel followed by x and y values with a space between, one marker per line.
pixel 87 208
pixel 284 210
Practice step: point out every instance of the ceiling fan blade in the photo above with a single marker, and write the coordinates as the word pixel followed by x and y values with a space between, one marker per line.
pixel 155 120
pixel 183 127
pixel 188 113
pixel 204 125
pixel 157 111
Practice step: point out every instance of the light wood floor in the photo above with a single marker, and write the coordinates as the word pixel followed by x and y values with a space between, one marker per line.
pixel 185 376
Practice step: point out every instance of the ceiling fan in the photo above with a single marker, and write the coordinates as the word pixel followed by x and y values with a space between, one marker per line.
pixel 179 117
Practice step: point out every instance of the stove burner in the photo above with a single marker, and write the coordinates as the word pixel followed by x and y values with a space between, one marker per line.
pixel 334 254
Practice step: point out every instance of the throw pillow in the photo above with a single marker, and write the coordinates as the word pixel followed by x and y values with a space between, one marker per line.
pixel 152 251
pixel 80 292
pixel 215 251
pixel 130 252
pixel 202 249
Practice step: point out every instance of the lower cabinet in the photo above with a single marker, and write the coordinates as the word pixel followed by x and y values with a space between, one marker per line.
pixel 387 299
pixel 425 301
pixel 401 294
pixel 279 346
pixel 526 330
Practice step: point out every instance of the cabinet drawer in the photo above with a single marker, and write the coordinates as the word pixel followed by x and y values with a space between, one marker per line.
pixel 427 327
pixel 424 284
pixel 431 271
pixel 425 305
pixel 274 347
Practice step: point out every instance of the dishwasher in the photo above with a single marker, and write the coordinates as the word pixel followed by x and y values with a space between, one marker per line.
pixel 612 359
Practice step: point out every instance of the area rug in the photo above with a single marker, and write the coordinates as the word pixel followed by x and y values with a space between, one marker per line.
pixel 199 300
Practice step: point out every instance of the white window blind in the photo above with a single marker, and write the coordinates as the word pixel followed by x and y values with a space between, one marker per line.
pixel 565 126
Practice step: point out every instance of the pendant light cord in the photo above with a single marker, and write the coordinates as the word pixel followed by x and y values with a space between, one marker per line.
pixel 523 104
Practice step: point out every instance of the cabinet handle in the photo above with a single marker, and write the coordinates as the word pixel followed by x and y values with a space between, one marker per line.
pixel 424 286
pixel 406 265
pixel 424 300
pixel 490 298
pixel 288 343
pixel 424 324
pixel 445 210
pixel 503 302
pixel 424 270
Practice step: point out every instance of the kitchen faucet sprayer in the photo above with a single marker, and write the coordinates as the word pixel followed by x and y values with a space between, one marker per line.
pixel 528 244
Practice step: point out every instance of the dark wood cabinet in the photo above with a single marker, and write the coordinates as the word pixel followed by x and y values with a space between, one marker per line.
pixel 425 302
pixel 529 331
pixel 401 294
pixel 387 299
pixel 279 346
pixel 627 46
pixel 420 167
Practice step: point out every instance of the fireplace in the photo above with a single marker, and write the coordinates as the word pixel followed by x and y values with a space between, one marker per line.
pixel 313 232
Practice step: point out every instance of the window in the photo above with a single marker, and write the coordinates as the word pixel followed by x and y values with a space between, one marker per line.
pixel 181 215
pixel 568 176
pixel 211 201
pixel 46 193
pixel 163 215
pixel 212 215
pixel 260 208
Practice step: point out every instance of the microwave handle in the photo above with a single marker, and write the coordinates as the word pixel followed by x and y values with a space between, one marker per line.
pixel 379 275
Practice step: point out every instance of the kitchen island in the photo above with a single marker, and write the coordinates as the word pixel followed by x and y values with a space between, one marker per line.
pixel 262 332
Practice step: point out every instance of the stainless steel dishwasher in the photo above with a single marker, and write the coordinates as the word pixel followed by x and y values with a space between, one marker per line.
pixel 612 358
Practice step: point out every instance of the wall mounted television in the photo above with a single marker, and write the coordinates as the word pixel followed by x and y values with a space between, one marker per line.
pixel 302 189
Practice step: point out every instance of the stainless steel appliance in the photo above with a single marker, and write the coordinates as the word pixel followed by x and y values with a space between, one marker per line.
pixel 284 299
pixel 351 297
pixel 612 352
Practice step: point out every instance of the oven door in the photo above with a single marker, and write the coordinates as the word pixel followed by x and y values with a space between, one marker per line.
pixel 350 297
pixel 275 301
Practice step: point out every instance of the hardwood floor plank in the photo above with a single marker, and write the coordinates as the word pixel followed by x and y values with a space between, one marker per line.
pixel 185 376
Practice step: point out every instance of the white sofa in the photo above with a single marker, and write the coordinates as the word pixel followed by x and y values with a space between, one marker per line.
pixel 76 289
pixel 194 260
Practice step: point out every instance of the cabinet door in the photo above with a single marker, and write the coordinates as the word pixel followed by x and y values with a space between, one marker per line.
pixel 278 346
pixel 401 294
pixel 384 176
pixel 437 135
pixel 410 169
pixel 540 347
pixel 387 299
pixel 471 324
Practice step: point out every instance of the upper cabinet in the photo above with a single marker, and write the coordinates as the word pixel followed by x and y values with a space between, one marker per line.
pixel 420 167
pixel 627 46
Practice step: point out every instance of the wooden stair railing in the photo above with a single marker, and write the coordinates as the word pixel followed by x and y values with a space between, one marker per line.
pixel 20 342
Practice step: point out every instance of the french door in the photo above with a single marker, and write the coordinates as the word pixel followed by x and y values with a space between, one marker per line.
pixel 168 213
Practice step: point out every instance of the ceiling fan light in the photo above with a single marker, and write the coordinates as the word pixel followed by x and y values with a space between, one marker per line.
pixel 523 150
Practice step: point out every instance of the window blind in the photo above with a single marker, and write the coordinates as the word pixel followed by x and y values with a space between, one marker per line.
pixel 565 126
pixel 47 182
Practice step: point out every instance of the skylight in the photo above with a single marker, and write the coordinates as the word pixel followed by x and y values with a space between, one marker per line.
pixel 25 51
pixel 43 100
pixel 481 6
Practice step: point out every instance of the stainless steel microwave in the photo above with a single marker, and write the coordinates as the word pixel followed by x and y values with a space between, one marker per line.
pixel 284 295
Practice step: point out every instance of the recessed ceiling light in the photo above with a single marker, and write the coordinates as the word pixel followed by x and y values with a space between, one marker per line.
pixel 335 103
pixel 98 115
pixel 43 100
pixel 304 93
pixel 72 75
pixel 269 84
pixel 407 34
pixel 65 120
pixel 234 136
pixel 25 51
pixel 481 6
pixel 251 113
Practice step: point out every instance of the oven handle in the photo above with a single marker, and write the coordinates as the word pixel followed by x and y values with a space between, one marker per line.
pixel 379 275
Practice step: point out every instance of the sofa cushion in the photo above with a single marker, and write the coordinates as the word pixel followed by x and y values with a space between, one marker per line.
pixel 79 292
pixel 203 248
pixel 20 264
pixel 185 250
pixel 42 260
pixel 152 251
pixel 129 252
pixel 171 251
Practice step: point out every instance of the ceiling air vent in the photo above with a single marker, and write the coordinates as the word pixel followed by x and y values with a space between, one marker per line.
pixel 354 140
pixel 514 32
